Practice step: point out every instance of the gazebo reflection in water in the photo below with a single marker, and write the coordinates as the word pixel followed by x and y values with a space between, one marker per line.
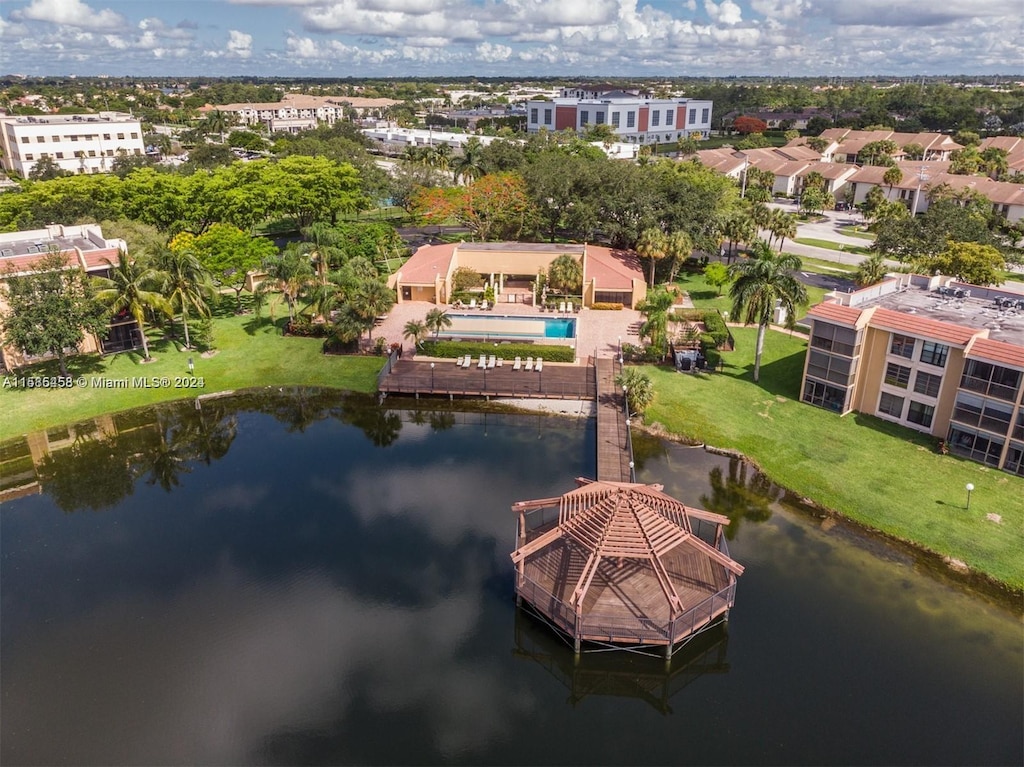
pixel 618 564
pixel 621 675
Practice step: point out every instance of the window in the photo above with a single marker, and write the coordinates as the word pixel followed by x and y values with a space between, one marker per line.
pixel 584 117
pixel 920 413
pixel 630 119
pixel 135 135
pixel 668 117
pixel 993 380
pixel 890 404
pixel 693 116
pixel 120 136
pixel 902 346
pixel 40 139
pixel 897 375
pixel 927 384
pixel 533 114
pixel 934 354
pixel 823 395
pixel 827 367
pixel 73 138
pixel 615 119
pixel 92 152
pixel 705 115
pixel 976 446
pixel 835 339
pixel 106 137
pixel 547 117
pixel 29 156
pixel 60 155
pixel 599 118
pixel 655 117
pixel 24 139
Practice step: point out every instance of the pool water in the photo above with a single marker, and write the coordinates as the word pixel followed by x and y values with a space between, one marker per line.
pixel 505 326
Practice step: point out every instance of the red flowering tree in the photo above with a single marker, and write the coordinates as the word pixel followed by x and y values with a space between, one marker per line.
pixel 747 125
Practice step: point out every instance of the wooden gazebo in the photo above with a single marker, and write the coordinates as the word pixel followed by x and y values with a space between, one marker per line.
pixel 623 564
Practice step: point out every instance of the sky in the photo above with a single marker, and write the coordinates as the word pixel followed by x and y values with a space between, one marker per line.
pixel 513 38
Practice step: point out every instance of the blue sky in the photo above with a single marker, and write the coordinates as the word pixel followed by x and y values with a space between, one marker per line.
pixel 396 38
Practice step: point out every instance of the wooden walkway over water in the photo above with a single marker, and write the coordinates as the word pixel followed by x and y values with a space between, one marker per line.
pixel 595 382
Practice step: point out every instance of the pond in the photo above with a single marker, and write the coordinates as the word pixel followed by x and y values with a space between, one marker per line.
pixel 303 577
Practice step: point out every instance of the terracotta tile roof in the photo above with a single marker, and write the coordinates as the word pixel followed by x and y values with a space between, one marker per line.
pixel 427 262
pixel 922 327
pixel 612 269
pixel 999 352
pixel 830 311
pixel 94 259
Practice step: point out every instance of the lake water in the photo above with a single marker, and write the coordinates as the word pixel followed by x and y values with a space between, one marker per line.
pixel 306 578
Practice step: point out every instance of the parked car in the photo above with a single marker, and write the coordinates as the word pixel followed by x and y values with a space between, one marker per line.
pixel 842 206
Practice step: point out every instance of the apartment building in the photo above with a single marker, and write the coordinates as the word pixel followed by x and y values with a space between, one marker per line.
pixel 635 118
pixel 932 354
pixel 83 246
pixel 86 143
pixel 295 112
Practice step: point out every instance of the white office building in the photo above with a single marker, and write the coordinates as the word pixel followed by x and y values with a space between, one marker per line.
pixel 87 143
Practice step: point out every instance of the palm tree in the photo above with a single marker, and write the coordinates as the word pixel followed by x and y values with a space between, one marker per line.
pixel 133 287
pixel 871 270
pixel 566 274
pixel 187 285
pixel 216 122
pixel 639 389
pixel 782 225
pixel 652 245
pixel 438 320
pixel 892 176
pixel 416 330
pixel 761 283
pixel 737 228
pixel 291 273
pixel 655 308
pixel 469 166
pixel 369 300
pixel 678 247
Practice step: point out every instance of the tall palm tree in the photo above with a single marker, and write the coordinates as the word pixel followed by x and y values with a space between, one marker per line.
pixel 781 225
pixel 438 320
pixel 187 285
pixel 291 273
pixel 134 287
pixel 469 166
pixel 566 274
pixel 217 121
pixel 892 176
pixel 737 228
pixel 678 247
pixel 652 245
pixel 760 283
pixel 369 300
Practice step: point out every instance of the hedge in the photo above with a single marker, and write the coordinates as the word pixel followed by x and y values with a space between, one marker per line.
pixel 453 349
pixel 607 305
pixel 716 329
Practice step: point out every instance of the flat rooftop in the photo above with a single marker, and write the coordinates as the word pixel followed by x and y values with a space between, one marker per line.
pixel 1004 323
pixel 37 245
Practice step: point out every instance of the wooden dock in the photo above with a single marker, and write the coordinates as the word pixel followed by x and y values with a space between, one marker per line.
pixel 614 450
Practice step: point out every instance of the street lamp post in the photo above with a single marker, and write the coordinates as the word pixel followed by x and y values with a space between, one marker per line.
pixel 969 487
pixel 431 376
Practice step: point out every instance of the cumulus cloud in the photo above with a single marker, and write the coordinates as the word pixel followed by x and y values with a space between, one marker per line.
pixel 492 52
pixel 726 12
pixel 71 13
pixel 239 44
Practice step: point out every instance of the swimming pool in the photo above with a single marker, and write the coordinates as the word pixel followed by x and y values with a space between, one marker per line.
pixel 511 327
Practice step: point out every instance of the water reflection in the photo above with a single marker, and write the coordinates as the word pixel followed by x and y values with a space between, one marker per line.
pixel 739 496
pixel 620 674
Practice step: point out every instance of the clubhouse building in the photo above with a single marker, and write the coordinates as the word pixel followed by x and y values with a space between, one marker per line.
pixel 511 268
pixel 939 356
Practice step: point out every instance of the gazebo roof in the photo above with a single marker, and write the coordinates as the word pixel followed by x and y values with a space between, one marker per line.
pixel 623 521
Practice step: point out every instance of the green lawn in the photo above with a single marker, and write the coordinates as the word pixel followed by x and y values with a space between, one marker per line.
pixel 882 475
pixel 704 296
pixel 825 267
pixel 856 231
pixel 815 242
pixel 250 354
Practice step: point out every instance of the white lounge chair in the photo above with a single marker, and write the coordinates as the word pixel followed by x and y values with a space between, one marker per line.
pixel 540 364
pixel 501 362
pixel 529 363
pixel 491 362
pixel 561 307
pixel 467 362
pixel 482 362
pixel 472 303
pixel 518 363
pixel 483 305
pixel 458 362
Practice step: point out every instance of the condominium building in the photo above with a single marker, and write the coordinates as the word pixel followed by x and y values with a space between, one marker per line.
pixel 296 112
pixel 82 246
pixel 86 143
pixel 930 353
pixel 635 118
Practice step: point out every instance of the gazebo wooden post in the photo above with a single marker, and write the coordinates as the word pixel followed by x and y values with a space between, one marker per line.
pixel 521 566
pixel 671 635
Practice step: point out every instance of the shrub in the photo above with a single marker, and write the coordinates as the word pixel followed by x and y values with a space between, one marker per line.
pixel 716 333
pixel 606 305
pixel 335 345
pixel 306 328
pixel 453 349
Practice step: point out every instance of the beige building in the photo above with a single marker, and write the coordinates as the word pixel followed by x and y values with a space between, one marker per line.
pixel 83 246
pixel 609 275
pixel 932 354
pixel 300 112
pixel 86 143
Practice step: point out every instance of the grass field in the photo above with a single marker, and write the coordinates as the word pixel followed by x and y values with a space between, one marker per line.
pixel 877 473
pixel 856 231
pixel 249 353
pixel 705 296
